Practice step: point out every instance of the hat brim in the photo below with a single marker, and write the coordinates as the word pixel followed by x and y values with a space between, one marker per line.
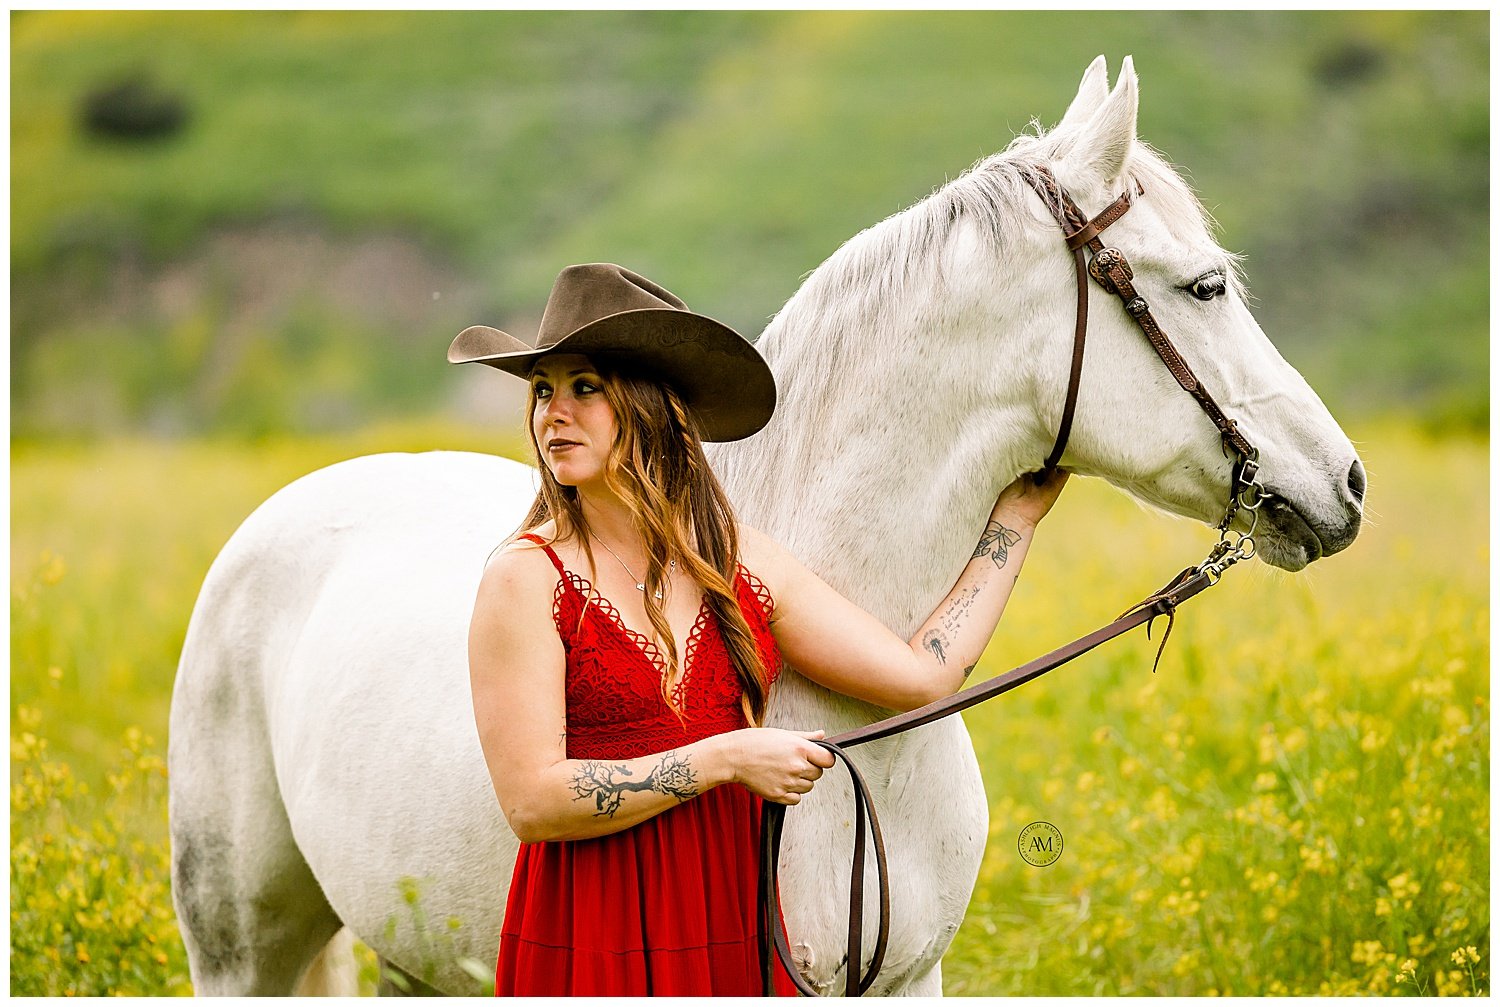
pixel 720 375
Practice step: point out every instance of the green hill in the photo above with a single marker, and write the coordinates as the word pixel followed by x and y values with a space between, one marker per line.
pixel 348 183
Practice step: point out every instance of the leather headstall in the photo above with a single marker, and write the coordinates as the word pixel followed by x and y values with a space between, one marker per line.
pixel 1111 270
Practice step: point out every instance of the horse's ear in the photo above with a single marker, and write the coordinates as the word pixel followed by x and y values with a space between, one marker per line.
pixel 1092 91
pixel 1104 145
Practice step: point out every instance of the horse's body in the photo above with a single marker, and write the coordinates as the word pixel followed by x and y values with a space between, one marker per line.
pixel 323 746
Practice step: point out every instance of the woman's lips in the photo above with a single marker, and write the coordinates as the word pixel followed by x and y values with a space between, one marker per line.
pixel 562 445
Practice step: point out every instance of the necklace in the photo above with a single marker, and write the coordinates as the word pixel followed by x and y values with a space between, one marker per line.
pixel 639 584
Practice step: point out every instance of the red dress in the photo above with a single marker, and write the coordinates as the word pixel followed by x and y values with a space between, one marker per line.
pixel 666 907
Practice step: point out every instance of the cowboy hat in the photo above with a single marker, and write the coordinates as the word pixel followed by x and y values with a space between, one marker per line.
pixel 603 310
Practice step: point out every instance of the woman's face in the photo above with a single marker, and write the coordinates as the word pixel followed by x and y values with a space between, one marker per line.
pixel 573 422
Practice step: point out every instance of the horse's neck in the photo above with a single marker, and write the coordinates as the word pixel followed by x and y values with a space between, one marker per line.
pixel 871 473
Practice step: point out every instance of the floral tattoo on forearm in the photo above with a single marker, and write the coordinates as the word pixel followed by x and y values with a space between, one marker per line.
pixel 673 776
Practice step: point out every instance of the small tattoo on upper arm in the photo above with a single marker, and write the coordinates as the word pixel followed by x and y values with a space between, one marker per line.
pixel 936 642
pixel 995 543
pixel 969 671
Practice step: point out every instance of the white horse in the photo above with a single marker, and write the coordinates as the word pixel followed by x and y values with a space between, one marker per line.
pixel 323 749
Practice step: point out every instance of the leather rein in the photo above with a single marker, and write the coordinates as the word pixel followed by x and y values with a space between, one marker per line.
pixel 1110 269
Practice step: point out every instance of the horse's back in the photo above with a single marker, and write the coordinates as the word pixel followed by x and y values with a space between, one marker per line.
pixel 322 698
pixel 401 519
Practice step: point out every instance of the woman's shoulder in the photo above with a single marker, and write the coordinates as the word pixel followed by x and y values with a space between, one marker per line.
pixel 537 540
pixel 519 564
pixel 760 552
pixel 763 563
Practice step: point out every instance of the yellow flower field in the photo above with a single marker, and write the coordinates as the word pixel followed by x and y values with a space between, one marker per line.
pixel 1296 802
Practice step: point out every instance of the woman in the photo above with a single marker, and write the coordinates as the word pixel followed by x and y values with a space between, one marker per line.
pixel 619 703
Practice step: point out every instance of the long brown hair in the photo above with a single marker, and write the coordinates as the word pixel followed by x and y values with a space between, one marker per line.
pixel 657 467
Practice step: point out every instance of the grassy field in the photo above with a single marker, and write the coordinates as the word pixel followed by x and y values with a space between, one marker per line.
pixel 1297 801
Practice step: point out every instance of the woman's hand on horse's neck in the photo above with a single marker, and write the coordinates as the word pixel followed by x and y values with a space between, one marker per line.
pixel 839 645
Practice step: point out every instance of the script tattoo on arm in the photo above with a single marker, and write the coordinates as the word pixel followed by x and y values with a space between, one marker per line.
pixel 953 614
pixel 995 543
pixel 608 785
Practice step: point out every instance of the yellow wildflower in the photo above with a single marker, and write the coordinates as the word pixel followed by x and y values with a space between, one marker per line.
pixel 1403 887
pixel 1265 744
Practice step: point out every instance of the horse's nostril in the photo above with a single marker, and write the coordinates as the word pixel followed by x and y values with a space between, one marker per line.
pixel 1357 480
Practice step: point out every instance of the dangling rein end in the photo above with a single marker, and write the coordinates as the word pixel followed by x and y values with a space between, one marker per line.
pixel 1162 603
pixel 1171 619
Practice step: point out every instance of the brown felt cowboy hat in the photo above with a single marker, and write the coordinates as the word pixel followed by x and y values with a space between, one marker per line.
pixel 606 311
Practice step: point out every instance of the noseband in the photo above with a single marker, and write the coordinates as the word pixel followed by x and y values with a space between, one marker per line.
pixel 1111 271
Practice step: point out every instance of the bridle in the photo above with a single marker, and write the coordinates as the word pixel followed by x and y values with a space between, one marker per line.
pixel 1110 269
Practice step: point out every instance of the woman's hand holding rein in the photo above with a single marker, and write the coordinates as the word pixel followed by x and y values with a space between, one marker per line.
pixel 778 765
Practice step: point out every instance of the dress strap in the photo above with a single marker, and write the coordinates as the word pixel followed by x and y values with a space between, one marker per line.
pixel 546 549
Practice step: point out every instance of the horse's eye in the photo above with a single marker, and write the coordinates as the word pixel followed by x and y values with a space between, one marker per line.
pixel 1208 287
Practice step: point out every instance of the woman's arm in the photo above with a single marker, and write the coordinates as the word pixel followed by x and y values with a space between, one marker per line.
pixel 516 671
pixel 837 644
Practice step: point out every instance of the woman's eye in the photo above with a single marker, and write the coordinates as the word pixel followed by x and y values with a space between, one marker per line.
pixel 584 388
pixel 541 391
pixel 1208 287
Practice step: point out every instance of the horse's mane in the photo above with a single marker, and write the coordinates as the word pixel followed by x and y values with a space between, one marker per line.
pixel 903 253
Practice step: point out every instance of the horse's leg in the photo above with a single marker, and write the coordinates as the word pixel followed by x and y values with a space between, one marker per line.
pixel 928 984
pixel 252 915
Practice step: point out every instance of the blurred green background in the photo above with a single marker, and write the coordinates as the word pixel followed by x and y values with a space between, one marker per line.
pixel 344 191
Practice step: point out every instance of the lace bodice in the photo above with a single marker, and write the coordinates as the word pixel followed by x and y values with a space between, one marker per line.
pixel 615 709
